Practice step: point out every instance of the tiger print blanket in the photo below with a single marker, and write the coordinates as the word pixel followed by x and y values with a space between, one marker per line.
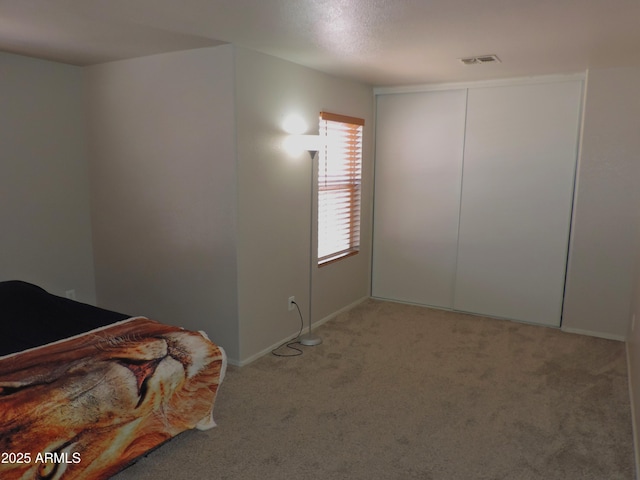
pixel 86 407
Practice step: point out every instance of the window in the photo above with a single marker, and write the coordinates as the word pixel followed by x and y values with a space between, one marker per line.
pixel 339 187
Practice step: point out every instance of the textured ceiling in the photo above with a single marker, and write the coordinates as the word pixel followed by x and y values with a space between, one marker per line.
pixel 380 42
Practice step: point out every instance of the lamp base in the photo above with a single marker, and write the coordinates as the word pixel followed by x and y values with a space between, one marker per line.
pixel 309 340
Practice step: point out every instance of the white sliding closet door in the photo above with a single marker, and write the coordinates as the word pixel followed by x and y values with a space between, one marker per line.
pixel 519 167
pixel 419 148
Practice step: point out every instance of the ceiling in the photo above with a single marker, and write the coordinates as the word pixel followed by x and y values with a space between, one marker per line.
pixel 379 42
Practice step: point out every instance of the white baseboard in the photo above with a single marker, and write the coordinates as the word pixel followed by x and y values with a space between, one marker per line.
pixel 263 352
pixel 342 310
pixel 315 324
pixel 607 336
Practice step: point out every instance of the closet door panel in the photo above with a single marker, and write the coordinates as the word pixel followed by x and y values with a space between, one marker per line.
pixel 419 148
pixel 519 168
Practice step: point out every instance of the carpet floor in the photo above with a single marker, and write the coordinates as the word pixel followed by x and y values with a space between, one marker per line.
pixel 405 392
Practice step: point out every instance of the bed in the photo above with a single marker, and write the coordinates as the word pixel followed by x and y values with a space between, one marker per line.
pixel 84 391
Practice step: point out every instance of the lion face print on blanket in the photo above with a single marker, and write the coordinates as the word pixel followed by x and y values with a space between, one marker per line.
pixel 86 407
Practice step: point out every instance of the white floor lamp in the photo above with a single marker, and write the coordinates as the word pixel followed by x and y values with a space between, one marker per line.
pixel 296 142
pixel 310 339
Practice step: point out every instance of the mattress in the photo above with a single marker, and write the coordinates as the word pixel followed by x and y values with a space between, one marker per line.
pixel 85 406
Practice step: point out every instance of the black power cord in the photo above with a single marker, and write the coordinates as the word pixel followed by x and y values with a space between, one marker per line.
pixel 288 344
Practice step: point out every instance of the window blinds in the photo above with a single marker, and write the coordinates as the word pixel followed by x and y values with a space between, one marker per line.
pixel 339 187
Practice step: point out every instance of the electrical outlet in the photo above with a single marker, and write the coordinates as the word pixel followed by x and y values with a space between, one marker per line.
pixel 290 302
pixel 71 294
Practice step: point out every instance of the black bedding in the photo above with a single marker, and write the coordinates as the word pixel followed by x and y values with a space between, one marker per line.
pixel 31 317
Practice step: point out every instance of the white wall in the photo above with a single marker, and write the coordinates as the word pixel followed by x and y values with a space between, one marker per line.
pixel 274 199
pixel 600 269
pixel 199 216
pixel 44 185
pixel 621 107
pixel 163 189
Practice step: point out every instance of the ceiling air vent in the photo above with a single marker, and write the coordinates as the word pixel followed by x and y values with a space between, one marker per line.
pixel 480 59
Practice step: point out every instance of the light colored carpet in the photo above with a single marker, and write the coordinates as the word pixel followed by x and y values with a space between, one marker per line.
pixel 403 392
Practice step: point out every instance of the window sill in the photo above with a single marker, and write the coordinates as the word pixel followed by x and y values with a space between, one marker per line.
pixel 337 258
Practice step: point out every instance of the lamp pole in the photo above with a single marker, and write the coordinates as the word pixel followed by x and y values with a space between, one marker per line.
pixel 309 339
